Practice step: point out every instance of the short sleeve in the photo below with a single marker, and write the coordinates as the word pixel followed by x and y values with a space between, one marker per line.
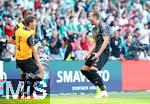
pixel 30 41
pixel 17 27
pixel 14 37
pixel 105 30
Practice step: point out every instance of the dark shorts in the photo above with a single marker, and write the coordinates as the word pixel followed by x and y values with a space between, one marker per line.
pixel 28 66
pixel 98 63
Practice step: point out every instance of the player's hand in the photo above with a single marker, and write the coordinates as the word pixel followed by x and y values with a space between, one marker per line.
pixel 96 56
pixel 41 67
pixel 42 71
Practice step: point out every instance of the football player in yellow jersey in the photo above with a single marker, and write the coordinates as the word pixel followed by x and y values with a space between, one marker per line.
pixel 25 13
pixel 21 25
pixel 11 40
pixel 25 47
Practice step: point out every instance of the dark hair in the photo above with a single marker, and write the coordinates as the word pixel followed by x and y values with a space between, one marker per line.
pixel 26 13
pixel 43 39
pixel 71 17
pixel 29 19
pixel 62 18
pixel 95 14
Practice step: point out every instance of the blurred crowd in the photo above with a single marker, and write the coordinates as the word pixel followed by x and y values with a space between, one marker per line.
pixel 63 23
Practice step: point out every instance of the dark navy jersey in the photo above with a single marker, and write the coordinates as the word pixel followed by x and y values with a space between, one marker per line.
pixel 99 32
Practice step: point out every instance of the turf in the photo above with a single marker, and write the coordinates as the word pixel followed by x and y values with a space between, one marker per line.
pixel 114 98
pixel 22 101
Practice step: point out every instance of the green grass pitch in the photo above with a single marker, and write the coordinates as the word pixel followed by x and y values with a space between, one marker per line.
pixel 114 98
pixel 23 101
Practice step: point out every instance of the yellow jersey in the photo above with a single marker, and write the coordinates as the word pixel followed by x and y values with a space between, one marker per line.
pixel 23 50
pixel 21 25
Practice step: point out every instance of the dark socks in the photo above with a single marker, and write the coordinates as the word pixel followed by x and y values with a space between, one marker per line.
pixel 97 79
pixel 87 75
pixel 29 83
pixel 94 77
pixel 32 86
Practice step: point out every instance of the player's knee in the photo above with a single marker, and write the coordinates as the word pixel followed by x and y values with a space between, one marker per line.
pixel 85 72
pixel 86 68
pixel 93 68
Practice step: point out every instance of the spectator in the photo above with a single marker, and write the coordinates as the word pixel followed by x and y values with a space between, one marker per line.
pixel 64 43
pixel 71 48
pixel 37 4
pixel 128 50
pixel 145 35
pixel 39 30
pixel 46 29
pixel 115 26
pixel 144 38
pixel 130 26
pixel 55 45
pixel 62 27
pixel 9 53
pixel 115 45
pixel 71 27
pixel 53 23
pixel 44 52
pixel 87 42
pixel 9 28
pixel 1 29
pixel 137 5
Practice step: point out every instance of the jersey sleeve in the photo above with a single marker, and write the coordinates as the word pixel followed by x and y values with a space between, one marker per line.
pixel 14 37
pixel 17 27
pixel 30 41
pixel 105 30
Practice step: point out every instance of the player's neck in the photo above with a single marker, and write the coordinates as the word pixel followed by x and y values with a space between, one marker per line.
pixel 31 28
pixel 97 23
